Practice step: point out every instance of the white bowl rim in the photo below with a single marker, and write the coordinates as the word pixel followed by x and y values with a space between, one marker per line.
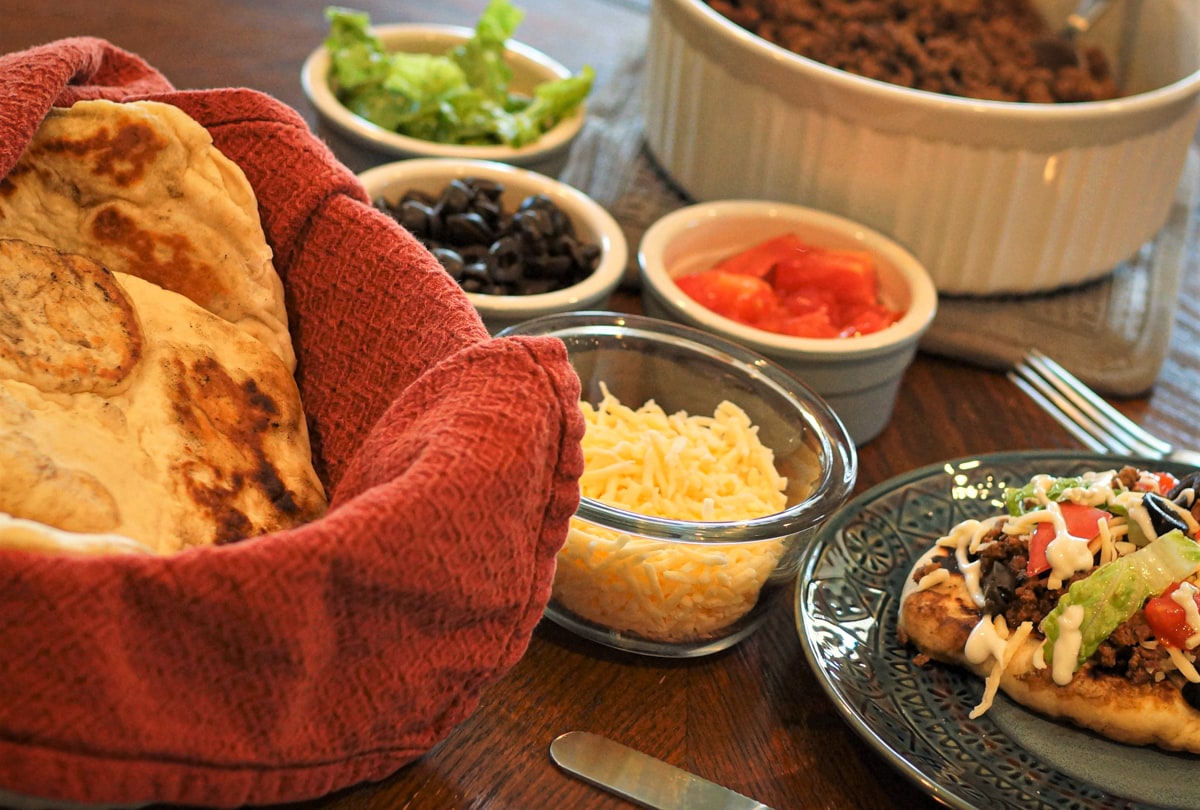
pixel 1083 111
pixel 915 320
pixel 611 238
pixel 316 86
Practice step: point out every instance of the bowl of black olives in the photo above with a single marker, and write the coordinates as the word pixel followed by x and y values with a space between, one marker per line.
pixel 519 243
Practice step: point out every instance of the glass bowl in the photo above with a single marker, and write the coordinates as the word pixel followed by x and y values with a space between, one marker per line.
pixel 687 588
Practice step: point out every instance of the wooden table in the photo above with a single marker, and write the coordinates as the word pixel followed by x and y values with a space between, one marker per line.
pixel 753 718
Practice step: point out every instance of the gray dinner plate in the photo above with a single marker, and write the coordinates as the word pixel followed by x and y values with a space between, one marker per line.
pixel 917 717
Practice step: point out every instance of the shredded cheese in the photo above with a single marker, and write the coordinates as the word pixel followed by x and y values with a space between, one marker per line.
pixel 682 467
pixel 1184 664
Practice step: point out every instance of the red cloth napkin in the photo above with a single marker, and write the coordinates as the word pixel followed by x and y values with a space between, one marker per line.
pixel 290 665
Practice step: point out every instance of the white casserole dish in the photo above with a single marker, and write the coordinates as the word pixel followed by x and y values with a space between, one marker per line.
pixel 992 197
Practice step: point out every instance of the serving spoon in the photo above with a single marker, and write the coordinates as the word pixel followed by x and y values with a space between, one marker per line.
pixel 1060 50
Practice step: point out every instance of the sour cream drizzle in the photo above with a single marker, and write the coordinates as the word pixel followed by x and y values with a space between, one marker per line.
pixel 985 642
pixel 1066 553
pixel 1185 597
pixel 1066 649
pixel 967 538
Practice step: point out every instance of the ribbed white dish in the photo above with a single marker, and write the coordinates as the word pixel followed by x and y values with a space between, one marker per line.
pixel 991 196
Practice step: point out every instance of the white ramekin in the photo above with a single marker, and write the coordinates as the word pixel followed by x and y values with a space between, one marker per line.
pixel 591 221
pixel 530 67
pixel 859 377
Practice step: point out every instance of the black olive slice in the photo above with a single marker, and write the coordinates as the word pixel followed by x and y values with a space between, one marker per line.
pixel 1163 516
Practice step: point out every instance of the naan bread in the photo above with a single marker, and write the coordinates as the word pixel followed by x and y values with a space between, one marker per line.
pixel 127 409
pixel 29 535
pixel 140 188
pixel 938 620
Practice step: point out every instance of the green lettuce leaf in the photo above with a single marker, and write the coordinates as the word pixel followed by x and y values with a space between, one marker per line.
pixel 482 57
pixel 552 102
pixel 1017 501
pixel 459 97
pixel 1112 593
pixel 1020 501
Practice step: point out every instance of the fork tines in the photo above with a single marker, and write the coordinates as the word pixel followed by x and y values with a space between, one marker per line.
pixel 1091 420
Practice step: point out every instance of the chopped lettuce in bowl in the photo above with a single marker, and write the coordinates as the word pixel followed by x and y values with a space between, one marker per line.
pixel 459 97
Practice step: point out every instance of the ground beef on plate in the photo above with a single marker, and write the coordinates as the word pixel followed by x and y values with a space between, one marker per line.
pixel 1125 652
pixel 1008 590
pixel 972 48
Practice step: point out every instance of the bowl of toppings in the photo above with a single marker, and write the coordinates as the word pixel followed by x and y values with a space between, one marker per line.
pixel 519 243
pixel 706 470
pixel 936 124
pixel 838 304
pixel 427 90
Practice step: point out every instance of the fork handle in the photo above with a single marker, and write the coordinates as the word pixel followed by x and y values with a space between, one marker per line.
pixel 1190 457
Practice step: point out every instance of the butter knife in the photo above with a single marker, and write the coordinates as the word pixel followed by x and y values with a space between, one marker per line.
pixel 641 778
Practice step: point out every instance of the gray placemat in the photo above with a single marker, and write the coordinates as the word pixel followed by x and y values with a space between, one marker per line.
pixel 1113 333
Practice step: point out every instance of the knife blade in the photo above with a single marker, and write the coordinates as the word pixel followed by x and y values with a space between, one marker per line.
pixel 641 778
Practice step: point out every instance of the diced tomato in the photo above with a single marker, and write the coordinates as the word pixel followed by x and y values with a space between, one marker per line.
pixel 848 275
pixel 1168 619
pixel 761 259
pixel 803 303
pixel 815 324
pixel 1082 521
pixel 868 319
pixel 786 286
pixel 740 297
pixel 1166 482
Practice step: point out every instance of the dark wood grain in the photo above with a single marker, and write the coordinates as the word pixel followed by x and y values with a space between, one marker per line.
pixel 754 718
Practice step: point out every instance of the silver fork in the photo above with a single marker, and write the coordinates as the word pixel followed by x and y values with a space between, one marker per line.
pixel 1088 418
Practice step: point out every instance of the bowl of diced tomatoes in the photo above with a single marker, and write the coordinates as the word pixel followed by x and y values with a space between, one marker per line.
pixel 838 304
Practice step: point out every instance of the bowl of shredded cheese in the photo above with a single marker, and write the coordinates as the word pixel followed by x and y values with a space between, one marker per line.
pixel 707 467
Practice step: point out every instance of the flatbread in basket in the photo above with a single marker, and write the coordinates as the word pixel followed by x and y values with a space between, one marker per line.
pixel 127 409
pixel 302 661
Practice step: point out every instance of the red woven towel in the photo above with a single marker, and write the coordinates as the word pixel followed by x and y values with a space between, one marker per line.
pixel 294 664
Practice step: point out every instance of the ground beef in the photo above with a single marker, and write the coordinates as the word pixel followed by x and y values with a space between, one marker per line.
pixel 973 48
pixel 1129 477
pixel 1123 652
pixel 1027 600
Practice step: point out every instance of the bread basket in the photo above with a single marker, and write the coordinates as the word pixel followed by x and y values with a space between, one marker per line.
pixel 293 664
